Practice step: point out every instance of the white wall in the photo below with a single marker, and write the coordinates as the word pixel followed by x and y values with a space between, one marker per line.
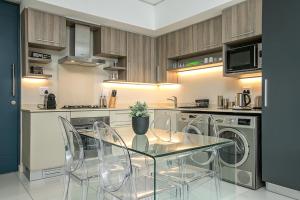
pixel 171 14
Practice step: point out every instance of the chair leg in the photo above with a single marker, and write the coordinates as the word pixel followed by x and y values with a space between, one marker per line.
pixel 217 187
pixel 84 189
pixel 67 186
pixel 100 193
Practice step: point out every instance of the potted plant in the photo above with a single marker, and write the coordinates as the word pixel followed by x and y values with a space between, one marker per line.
pixel 140 118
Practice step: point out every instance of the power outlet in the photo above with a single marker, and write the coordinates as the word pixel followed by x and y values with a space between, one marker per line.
pixel 42 90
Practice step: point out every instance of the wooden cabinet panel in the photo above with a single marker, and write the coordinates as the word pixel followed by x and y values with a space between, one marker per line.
pixel 163 76
pixel 110 42
pixel 208 34
pixel 134 57
pixel 242 21
pixel 186 45
pixel 149 59
pixel 173 44
pixel 180 42
pixel 140 58
pixel 46 30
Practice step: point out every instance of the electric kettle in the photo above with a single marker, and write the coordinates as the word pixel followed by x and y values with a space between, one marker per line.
pixel 243 100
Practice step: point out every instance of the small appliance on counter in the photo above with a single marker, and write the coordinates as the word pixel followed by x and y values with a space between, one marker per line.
pixel 113 99
pixel 51 102
pixel 199 103
pixel 257 102
pixel 243 101
pixel 223 103
pixel 202 103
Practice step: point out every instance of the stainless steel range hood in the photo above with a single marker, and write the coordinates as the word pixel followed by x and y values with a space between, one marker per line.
pixel 80 48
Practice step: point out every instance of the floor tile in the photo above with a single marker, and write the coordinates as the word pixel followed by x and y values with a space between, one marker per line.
pixel 12 189
pixel 15 186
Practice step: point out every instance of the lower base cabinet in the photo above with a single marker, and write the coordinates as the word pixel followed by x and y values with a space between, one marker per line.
pixel 42 144
pixel 121 118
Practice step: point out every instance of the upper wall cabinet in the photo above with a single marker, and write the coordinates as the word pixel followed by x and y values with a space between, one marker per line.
pixel 46 30
pixel 162 62
pixel 141 58
pixel 242 21
pixel 207 35
pixel 110 42
pixel 180 43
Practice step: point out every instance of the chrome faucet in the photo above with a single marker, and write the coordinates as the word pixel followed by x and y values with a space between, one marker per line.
pixel 174 99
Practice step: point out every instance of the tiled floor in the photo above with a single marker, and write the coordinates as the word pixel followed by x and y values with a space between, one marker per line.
pixel 16 187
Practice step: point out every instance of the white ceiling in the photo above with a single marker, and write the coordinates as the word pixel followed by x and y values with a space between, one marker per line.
pixel 152 2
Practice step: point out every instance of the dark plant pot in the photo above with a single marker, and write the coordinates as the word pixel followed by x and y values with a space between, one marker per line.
pixel 140 125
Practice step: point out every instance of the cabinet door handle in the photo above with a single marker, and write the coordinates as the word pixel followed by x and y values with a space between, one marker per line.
pixel 266 93
pixel 158 74
pixel 13 79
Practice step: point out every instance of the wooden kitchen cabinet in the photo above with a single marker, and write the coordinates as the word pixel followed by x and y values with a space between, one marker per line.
pixel 46 30
pixel 186 45
pixel 242 21
pixel 162 62
pixel 140 58
pixel 180 42
pixel 110 42
pixel 207 35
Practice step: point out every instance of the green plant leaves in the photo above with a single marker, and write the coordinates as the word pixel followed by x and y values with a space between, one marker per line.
pixel 139 110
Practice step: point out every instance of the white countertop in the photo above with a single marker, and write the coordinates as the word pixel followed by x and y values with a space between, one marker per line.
pixel 33 109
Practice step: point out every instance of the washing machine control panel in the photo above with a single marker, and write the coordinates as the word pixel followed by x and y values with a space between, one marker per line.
pixel 235 121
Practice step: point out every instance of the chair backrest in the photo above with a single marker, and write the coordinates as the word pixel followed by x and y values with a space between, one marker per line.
pixel 115 163
pixel 202 125
pixel 164 123
pixel 74 154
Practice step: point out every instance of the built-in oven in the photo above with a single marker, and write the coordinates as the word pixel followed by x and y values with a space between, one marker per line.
pixel 243 58
pixel 85 125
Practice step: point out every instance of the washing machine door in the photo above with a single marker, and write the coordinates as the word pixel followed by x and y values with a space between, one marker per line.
pixel 241 149
pixel 200 128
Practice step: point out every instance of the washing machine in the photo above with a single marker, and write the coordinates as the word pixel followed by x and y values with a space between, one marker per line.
pixel 244 169
pixel 196 123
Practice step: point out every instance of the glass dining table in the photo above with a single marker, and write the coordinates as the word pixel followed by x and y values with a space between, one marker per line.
pixel 159 152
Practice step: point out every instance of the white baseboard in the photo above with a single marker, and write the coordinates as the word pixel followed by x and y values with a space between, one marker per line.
pixel 295 194
pixel 21 169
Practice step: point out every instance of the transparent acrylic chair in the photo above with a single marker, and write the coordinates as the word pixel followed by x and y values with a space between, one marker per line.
pixel 76 166
pixel 199 167
pixel 117 180
pixel 164 123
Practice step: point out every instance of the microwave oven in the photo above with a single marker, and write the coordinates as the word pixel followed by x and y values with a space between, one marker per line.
pixel 244 59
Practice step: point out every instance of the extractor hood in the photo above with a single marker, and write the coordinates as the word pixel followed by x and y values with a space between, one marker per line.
pixel 80 47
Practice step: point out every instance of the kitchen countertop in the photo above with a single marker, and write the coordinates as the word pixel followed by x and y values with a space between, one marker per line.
pixel 33 109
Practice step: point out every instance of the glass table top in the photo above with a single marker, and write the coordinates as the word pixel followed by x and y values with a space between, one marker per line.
pixel 159 143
